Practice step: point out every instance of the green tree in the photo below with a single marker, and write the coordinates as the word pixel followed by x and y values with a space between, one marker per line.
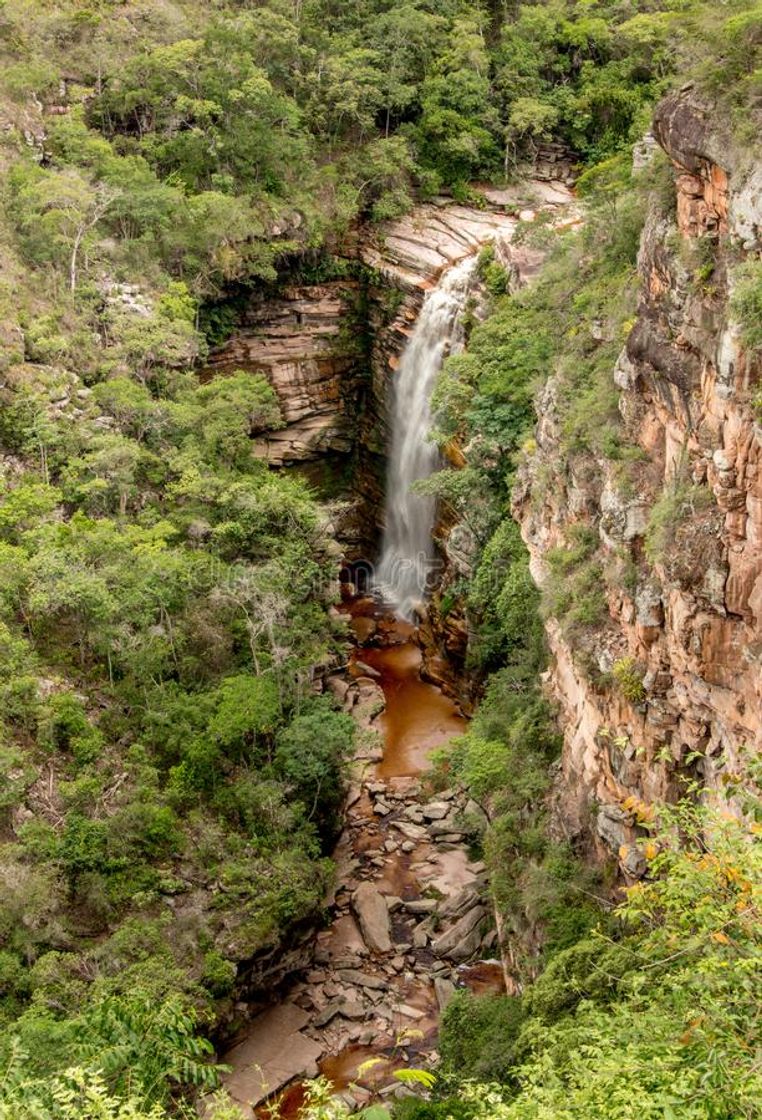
pixel 310 755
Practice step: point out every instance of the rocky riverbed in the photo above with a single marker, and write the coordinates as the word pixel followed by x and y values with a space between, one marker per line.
pixel 409 919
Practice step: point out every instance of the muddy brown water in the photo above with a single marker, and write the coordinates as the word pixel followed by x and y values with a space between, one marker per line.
pixel 418 717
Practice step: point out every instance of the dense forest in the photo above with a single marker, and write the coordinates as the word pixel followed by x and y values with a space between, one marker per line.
pixel 170 783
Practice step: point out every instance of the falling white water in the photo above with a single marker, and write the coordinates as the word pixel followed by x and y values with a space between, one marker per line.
pixel 407 550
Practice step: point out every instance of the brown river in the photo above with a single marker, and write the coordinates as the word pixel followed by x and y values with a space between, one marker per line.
pixel 409 922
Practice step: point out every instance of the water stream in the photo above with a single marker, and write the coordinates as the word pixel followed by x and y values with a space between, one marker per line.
pixel 408 921
pixel 405 566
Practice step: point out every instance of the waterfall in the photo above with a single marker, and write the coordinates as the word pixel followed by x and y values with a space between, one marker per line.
pixel 407 551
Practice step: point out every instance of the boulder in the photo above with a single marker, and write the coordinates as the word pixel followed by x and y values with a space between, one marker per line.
pixel 453 942
pixel 362 979
pixel 435 810
pixel 444 990
pixel 373 916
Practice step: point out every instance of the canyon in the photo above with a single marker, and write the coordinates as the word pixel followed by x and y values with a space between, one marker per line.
pixel 688 626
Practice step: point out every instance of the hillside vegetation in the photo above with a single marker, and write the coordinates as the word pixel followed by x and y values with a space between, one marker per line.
pixel 169 782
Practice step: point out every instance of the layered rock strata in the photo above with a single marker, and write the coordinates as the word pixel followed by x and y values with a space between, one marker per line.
pixel 301 340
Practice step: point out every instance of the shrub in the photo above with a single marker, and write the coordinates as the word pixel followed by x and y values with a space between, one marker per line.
pixel 629 679
pixel 746 302
pixel 677 503
pixel 478 1036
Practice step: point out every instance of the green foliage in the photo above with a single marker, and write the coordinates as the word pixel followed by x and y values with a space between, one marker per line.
pixel 667 1014
pixel 479 1036
pixel 629 678
pixel 140 1049
pixel 678 502
pixel 746 303
pixel 311 755
pixel 247 708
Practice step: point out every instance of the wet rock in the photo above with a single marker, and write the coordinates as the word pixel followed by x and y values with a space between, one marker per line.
pixel 373 915
pixel 274 1052
pixel 364 629
pixel 367 670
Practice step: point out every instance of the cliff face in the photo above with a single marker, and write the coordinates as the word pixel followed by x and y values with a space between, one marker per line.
pixel 683 635
pixel 300 340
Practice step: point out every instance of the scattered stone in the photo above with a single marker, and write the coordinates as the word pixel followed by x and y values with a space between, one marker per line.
pixel 411 1012
pixel 354 793
pixel 381 808
pixel 329 1012
pixel 339 687
pixel 421 905
pixel 435 810
pixel 414 814
pixel 420 936
pixel 352 1009
pixel 363 979
pixel 410 830
pixel 441 828
pixel 398 963
pixel 459 903
pixel 407 846
pixel 475 811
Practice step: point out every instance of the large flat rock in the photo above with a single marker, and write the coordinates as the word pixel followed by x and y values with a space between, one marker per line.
pixel 273 1053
